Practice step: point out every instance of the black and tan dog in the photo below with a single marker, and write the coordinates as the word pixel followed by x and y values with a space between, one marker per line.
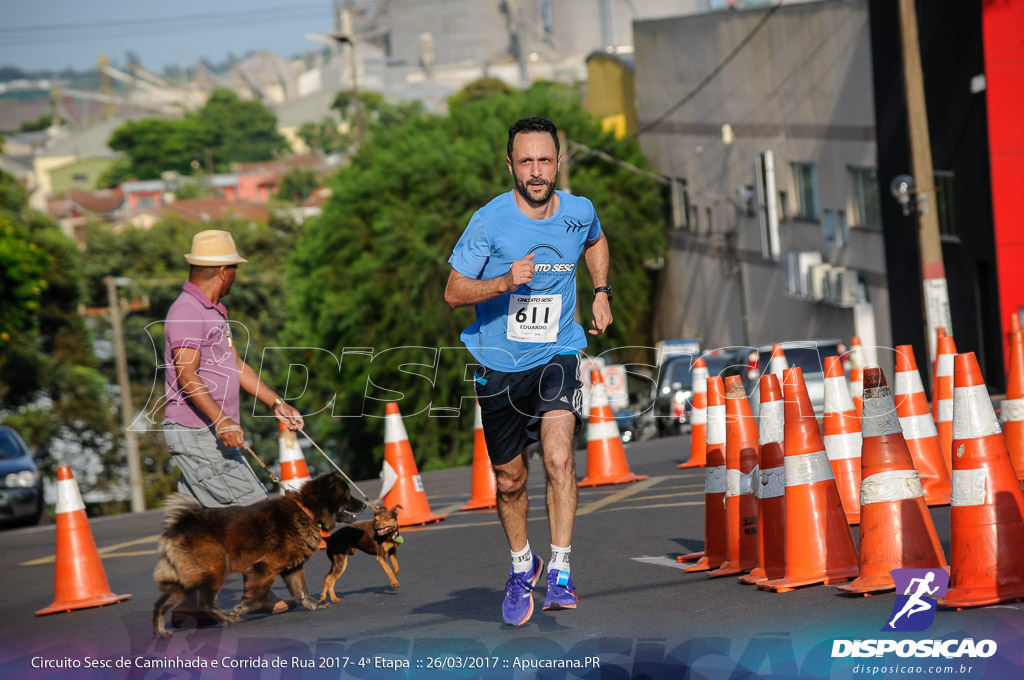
pixel 378 537
pixel 201 546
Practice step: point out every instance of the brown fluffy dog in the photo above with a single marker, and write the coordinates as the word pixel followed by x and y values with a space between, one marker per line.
pixel 377 537
pixel 201 546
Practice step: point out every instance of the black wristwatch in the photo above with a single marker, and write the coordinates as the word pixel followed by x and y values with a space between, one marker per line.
pixel 604 289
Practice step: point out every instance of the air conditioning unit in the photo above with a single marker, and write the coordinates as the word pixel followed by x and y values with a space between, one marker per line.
pixel 833 295
pixel 849 288
pixel 818 276
pixel 796 268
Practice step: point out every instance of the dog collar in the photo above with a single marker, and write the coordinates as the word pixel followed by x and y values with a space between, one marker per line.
pixel 305 510
pixel 397 538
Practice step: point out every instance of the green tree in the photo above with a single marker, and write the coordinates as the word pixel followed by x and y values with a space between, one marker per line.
pixel 298 184
pixel 242 131
pixel 226 130
pixel 371 270
pixel 323 137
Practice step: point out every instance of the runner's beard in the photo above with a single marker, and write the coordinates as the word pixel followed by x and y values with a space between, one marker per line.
pixel 524 190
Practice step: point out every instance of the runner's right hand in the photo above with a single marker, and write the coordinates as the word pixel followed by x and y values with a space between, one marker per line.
pixel 521 272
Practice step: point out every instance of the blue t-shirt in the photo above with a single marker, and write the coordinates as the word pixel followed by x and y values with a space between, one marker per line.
pixel 525 328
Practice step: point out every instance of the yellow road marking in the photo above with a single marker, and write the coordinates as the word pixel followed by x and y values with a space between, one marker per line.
pixel 616 497
pixel 106 551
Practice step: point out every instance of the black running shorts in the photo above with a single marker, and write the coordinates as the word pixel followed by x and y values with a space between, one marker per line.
pixel 511 404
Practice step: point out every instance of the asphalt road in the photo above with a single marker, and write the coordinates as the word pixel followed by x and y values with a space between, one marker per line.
pixel 639 613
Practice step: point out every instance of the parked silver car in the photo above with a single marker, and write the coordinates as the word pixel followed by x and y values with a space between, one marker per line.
pixel 808 355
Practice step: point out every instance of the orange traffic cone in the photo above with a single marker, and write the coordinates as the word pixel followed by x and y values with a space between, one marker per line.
pixel 770 486
pixel 986 525
pixel 483 490
pixel 294 472
pixel 714 484
pixel 407 490
pixel 606 460
pixel 857 353
pixel 919 429
pixel 1011 412
pixel 79 579
pixel 842 438
pixel 896 529
pixel 740 466
pixel 856 389
pixel 698 417
pixel 940 333
pixel 942 396
pixel 819 545
pixel 777 363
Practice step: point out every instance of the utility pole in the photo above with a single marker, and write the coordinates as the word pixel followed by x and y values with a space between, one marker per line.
pixel 131 442
pixel 346 35
pixel 933 271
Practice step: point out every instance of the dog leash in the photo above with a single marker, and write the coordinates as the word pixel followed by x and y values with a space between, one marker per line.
pixel 238 428
pixel 335 465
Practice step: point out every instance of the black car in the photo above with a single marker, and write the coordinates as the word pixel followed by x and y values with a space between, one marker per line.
pixel 669 408
pixel 21 485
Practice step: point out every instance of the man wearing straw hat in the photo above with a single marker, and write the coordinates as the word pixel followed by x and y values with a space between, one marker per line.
pixel 203 378
pixel 204 374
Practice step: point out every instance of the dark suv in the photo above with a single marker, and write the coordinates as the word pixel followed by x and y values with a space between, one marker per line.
pixel 21 485
pixel 671 399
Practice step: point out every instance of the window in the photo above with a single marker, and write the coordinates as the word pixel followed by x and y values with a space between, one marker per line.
pixel 864 201
pixel 805 181
pixel 147 203
pixel 79 178
pixel 842 229
pixel 945 204
pixel 830 227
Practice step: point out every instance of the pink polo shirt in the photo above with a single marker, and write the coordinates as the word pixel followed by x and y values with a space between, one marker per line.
pixel 194 321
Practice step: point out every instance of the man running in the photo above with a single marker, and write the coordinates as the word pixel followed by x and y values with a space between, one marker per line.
pixel 516 263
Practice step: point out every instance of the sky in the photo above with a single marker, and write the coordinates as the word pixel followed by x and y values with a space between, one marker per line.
pixel 56 34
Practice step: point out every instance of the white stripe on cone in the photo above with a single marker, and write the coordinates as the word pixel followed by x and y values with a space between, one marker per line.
pixel 968 487
pixel 880 417
pixel 807 468
pixel 699 416
pixel 837 396
pixel 394 429
pixel 908 382
pixel 973 413
pixel 945 410
pixel 843 446
pixel 772 483
pixel 892 485
pixel 737 483
pixel 716 425
pixel 715 479
pixel 605 429
pixel 773 423
pixel 1011 411
pixel 944 368
pixel 69 498
pixel 388 477
pixel 918 427
pixel 700 379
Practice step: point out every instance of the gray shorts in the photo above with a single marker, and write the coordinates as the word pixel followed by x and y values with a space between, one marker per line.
pixel 212 473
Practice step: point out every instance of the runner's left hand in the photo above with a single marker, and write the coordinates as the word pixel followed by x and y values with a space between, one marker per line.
pixel 602 315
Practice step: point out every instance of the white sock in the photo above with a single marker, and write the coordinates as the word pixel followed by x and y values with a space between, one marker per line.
pixel 559 558
pixel 522 561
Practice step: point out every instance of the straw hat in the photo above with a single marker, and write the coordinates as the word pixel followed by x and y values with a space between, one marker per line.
pixel 213 248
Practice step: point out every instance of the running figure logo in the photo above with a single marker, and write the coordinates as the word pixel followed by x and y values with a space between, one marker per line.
pixel 914 610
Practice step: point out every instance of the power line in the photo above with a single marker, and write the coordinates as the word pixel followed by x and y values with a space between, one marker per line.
pixel 711 76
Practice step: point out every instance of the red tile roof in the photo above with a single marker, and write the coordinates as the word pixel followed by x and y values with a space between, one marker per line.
pixel 213 208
